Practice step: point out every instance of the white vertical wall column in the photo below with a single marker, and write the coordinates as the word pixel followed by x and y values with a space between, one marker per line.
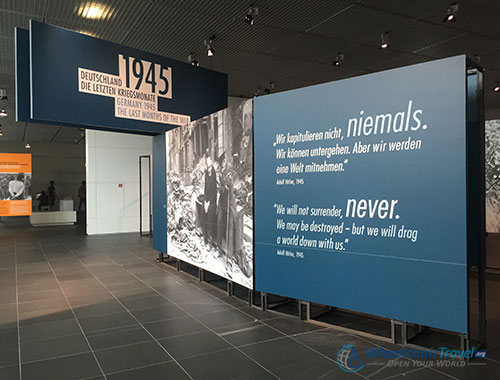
pixel 112 168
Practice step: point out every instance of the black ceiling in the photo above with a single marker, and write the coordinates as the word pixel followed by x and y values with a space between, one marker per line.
pixel 292 43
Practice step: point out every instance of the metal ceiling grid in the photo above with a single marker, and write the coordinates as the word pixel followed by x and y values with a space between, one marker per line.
pixel 361 24
pixel 320 73
pixel 175 31
pixel 469 44
pixel 39 132
pixel 418 35
pixel 472 16
pixel 292 43
pixel 398 61
pixel 25 7
pixel 68 135
pixel 413 9
pixel 491 60
pixel 312 48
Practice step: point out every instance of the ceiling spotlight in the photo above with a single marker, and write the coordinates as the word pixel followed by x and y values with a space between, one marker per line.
pixel 27 146
pixel 252 12
pixel 208 44
pixel 384 40
pixel 338 59
pixel 497 87
pixel 1 133
pixel 192 60
pixel 451 13
pixel 3 113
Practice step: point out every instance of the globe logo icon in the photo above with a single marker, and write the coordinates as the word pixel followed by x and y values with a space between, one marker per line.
pixel 348 360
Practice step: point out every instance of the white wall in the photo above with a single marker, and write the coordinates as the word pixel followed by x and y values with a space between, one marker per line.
pixel 113 159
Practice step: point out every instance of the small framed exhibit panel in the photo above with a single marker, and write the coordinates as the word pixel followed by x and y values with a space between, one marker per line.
pixel 361 194
pixel 15 184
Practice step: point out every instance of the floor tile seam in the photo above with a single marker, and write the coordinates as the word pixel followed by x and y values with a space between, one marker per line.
pixel 45 323
pixel 139 367
pixel 52 337
pixel 17 316
pixel 263 322
pixel 122 345
pixel 91 332
pixel 74 315
pixel 42 310
pixel 443 373
pixel 130 313
pixel 56 357
pixel 207 327
pixel 403 373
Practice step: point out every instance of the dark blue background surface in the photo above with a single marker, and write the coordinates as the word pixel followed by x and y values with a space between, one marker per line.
pixel 56 55
pixel 423 282
pixel 159 194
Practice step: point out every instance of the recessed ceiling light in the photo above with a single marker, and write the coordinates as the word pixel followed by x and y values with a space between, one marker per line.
pixel 94 11
pixel 497 87
pixel 87 33
pixel 27 146
pixel 3 113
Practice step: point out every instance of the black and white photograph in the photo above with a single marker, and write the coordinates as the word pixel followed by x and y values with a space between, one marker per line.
pixel 492 163
pixel 210 193
pixel 15 186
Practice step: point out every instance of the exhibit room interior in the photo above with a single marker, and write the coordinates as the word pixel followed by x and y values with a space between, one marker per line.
pixel 249 189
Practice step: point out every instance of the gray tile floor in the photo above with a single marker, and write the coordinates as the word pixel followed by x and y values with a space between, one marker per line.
pixel 77 307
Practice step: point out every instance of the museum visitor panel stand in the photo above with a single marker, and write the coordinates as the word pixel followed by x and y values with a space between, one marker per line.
pixel 361 196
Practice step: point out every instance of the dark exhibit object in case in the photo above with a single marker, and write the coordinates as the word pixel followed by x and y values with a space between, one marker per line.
pixel 210 193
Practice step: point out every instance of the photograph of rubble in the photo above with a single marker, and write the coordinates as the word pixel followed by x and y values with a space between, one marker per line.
pixel 210 193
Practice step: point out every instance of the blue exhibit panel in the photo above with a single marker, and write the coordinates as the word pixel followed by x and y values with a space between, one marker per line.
pixel 360 194
pixel 23 92
pixel 85 81
pixel 159 194
pixel 22 39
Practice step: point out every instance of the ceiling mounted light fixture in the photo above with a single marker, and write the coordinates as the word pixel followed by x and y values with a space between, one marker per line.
pixel 27 146
pixel 451 13
pixel 3 113
pixel 192 60
pixel 384 41
pixel 338 59
pixel 208 43
pixel 94 11
pixel 269 88
pixel 252 12
pixel 497 87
